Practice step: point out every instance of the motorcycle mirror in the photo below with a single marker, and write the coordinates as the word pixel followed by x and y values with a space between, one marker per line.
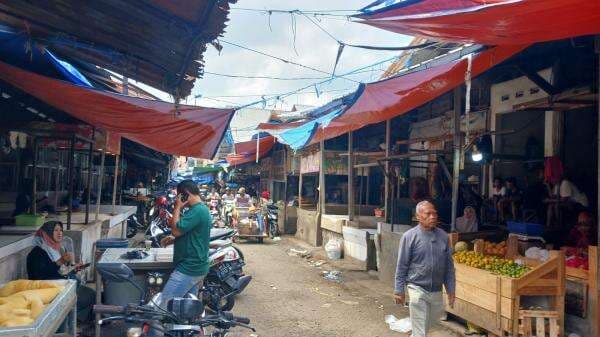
pixel 119 272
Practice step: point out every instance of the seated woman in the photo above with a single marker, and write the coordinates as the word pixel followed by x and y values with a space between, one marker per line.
pixel 468 222
pixel 583 234
pixel 45 260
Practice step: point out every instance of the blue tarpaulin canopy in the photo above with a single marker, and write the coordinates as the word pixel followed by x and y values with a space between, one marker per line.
pixel 300 136
pixel 18 49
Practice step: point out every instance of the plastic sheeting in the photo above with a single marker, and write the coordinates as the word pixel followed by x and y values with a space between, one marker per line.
pixel 188 131
pixel 389 98
pixel 489 22
pixel 300 136
pixel 245 152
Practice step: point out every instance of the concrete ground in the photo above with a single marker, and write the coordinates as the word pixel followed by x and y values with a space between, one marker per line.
pixel 288 296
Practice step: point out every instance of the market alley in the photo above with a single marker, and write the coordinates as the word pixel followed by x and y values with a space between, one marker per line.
pixel 288 297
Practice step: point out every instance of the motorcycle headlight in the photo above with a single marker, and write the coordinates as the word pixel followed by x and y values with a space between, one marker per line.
pixel 134 332
pixel 159 280
pixel 151 212
pixel 151 280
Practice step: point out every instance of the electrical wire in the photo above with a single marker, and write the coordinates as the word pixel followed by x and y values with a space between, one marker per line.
pixel 285 60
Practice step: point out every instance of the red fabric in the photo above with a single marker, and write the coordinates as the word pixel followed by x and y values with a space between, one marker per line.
pixel 496 22
pixel 386 99
pixel 265 194
pixel 195 132
pixel 245 152
pixel 553 170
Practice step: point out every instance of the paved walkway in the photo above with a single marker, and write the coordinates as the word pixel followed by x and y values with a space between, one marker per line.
pixel 288 297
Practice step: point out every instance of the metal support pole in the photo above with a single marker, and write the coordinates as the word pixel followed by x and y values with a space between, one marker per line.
pixel 386 184
pixel 457 152
pixel 89 178
pixel 34 176
pixel 596 315
pixel 368 187
pixel 57 180
pixel 100 183
pixel 71 181
pixel 351 175
pixel 115 184
pixel 322 194
pixel 299 190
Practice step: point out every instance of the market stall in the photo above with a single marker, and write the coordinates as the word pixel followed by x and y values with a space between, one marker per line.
pixel 496 286
pixel 57 306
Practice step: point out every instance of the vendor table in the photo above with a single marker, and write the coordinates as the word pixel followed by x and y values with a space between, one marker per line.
pixel 114 255
pixel 62 309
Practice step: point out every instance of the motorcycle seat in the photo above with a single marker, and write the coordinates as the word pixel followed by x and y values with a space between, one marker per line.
pixel 219 243
pixel 220 233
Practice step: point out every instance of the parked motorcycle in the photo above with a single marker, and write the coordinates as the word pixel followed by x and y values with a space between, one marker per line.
pixel 226 277
pixel 272 218
pixel 133 226
pixel 184 317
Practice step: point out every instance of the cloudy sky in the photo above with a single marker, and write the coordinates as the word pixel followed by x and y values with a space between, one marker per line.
pixel 275 34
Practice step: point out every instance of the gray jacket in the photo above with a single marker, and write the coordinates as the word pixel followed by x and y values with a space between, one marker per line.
pixel 425 260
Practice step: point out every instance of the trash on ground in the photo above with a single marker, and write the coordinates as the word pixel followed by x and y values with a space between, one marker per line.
pixel 317 263
pixel 299 252
pixel 349 302
pixel 400 325
pixel 277 238
pixel 326 305
pixel 333 275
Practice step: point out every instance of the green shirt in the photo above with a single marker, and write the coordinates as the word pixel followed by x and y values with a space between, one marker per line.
pixel 190 254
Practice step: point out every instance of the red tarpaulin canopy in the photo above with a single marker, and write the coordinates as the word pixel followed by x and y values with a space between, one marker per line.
pixel 245 152
pixel 389 98
pixel 192 131
pixel 490 22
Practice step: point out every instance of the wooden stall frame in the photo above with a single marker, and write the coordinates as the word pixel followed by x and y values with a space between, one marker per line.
pixel 493 301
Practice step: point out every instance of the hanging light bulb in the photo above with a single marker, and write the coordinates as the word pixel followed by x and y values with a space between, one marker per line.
pixel 476 155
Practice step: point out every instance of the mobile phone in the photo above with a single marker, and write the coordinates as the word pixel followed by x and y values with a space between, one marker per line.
pixel 184 197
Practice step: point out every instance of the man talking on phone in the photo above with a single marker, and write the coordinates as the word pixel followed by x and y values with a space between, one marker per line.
pixel 191 236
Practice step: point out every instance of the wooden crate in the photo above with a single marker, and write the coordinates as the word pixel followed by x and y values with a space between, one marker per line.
pixel 538 323
pixel 493 301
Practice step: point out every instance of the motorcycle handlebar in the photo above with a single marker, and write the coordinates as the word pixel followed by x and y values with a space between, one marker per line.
pixel 243 320
pixel 108 309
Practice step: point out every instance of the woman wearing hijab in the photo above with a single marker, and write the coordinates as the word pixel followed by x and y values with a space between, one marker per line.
pixel 45 260
pixel 468 222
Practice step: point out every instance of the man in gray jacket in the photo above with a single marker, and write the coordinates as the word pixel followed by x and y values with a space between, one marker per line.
pixel 424 266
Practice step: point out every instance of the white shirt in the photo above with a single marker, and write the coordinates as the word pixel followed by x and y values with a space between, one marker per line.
pixel 568 190
pixel 498 192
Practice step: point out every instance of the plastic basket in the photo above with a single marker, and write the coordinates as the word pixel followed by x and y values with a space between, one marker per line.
pixel 526 228
pixel 29 220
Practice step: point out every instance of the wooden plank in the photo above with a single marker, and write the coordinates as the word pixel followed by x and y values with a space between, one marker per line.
pixel 526 327
pixel 478 316
pixel 483 279
pixel 515 322
pixel 554 327
pixel 537 291
pixel 485 299
pixel 478 247
pixel 538 313
pixel 544 283
pixel 540 326
pixel 577 273
pixel 498 303
pixel 560 293
pixel 512 246
pixel 594 291
pixel 537 273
